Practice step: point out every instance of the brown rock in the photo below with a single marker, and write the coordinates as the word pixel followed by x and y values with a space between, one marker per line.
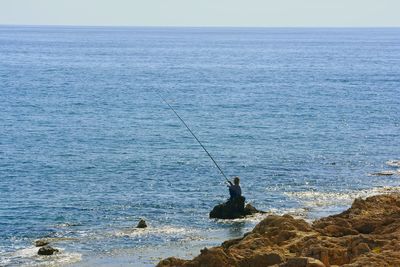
pixel 365 227
pixel 360 248
pixel 171 262
pixel 215 257
pixel 367 234
pixel 262 259
pixel 337 231
pixel 302 262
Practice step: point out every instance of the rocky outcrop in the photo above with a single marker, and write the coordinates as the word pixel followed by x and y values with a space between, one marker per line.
pixel 233 209
pixel 367 234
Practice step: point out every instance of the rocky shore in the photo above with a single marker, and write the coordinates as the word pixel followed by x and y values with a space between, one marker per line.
pixel 367 234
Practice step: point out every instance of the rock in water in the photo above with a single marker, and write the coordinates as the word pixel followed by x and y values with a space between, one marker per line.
pixel 393 163
pixel 233 209
pixel 47 250
pixel 41 242
pixel 141 224
pixel 383 173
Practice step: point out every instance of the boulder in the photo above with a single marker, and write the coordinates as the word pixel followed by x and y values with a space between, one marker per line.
pixel 47 250
pixel 233 209
pixel 142 224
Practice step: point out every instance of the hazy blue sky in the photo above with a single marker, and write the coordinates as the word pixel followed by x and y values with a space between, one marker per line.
pixel 202 12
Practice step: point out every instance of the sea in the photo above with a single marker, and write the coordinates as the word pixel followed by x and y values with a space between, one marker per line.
pixel 304 116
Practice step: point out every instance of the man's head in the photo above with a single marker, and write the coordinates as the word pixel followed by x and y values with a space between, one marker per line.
pixel 236 180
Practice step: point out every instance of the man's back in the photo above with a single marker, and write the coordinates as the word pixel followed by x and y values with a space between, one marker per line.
pixel 235 191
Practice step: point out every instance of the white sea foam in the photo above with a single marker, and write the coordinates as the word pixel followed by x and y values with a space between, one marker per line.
pixel 29 257
pixel 67 225
pixel 295 212
pixel 251 219
pixel 162 230
pixel 58 259
pixel 393 163
pixel 28 252
pixel 322 199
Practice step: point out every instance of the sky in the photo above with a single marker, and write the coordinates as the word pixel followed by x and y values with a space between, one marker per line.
pixel 245 13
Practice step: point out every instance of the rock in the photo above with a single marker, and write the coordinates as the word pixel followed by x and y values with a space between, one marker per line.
pixel 250 210
pixel 141 224
pixel 275 225
pixel 360 248
pixel 41 242
pixel 171 262
pixel 393 163
pixel 338 231
pixel 302 262
pixel 47 250
pixel 262 259
pixel 214 257
pixel 233 209
pixel 383 173
pixel 367 234
pixel 47 240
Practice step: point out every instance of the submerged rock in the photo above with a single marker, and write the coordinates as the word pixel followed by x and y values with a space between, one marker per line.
pixel 47 240
pixel 42 242
pixel 393 163
pixel 367 234
pixel 47 250
pixel 142 224
pixel 233 209
pixel 383 173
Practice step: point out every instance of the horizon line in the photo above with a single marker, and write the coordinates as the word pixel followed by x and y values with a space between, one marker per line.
pixel 198 26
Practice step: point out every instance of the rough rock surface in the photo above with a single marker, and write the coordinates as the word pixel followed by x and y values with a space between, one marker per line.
pixel 233 209
pixel 367 234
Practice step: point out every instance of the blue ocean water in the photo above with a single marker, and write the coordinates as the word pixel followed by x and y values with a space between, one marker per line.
pixel 87 147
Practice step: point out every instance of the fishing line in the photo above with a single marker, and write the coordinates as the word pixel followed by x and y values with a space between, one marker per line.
pixel 197 139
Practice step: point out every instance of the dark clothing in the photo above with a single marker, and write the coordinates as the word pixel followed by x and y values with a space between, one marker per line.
pixel 235 191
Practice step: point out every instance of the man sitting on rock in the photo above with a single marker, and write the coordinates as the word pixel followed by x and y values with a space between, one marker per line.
pixel 234 189
pixel 235 206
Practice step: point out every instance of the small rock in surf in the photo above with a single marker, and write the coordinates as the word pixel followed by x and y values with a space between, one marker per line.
pixel 47 250
pixel 393 163
pixel 141 224
pixel 41 242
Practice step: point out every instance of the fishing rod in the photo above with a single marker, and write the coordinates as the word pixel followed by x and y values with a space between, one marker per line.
pixel 197 139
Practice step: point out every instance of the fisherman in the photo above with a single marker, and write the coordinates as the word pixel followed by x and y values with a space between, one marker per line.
pixel 234 189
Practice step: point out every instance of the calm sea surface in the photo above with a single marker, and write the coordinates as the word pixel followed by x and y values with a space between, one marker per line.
pixel 87 147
